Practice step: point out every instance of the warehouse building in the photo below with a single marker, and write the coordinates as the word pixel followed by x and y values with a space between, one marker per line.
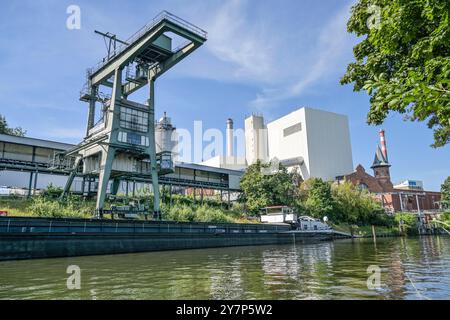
pixel 28 165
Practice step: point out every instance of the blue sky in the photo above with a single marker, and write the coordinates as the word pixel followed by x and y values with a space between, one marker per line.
pixel 261 56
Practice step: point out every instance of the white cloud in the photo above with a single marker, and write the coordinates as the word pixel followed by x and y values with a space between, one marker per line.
pixel 233 39
pixel 282 59
pixel 329 51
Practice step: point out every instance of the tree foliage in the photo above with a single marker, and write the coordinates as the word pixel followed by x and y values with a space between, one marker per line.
pixel 319 201
pixel 261 190
pixel 403 62
pixel 445 193
pixel 356 206
pixel 5 129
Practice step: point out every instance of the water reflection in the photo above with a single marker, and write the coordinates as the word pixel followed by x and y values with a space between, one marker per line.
pixel 414 268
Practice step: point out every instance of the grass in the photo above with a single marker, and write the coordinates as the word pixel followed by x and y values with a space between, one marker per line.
pixel 76 208
pixel 16 207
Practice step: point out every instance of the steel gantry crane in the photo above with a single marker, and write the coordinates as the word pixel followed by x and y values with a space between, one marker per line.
pixel 122 143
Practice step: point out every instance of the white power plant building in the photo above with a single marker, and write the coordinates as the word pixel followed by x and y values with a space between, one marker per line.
pixel 256 143
pixel 314 141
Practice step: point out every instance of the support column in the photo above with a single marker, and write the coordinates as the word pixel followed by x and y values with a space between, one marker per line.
pixel 35 183
pixel 83 185
pixel 106 162
pixel 30 184
pixel 152 146
pixel 170 196
pixel 115 186
pixel 134 188
pixel 201 195
pixel 91 111
pixel 71 178
pixel 89 186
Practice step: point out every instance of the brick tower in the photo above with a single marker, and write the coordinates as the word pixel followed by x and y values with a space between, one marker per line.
pixel 381 164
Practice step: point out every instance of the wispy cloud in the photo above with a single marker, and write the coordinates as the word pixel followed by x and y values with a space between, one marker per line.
pixel 233 39
pixel 280 58
pixel 331 44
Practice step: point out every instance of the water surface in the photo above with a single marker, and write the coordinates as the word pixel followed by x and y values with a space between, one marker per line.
pixel 412 268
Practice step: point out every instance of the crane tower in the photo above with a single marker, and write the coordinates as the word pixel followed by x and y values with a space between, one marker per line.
pixel 122 143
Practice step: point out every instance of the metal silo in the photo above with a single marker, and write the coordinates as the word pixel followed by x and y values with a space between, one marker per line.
pixel 163 135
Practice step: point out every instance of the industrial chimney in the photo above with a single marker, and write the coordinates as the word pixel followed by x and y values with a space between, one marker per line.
pixel 230 146
pixel 383 144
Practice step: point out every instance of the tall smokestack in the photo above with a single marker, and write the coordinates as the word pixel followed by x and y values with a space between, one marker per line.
pixel 230 138
pixel 383 144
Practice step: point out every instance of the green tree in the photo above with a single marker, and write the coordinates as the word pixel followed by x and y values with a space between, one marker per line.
pixel 356 206
pixel 445 193
pixel 5 129
pixel 403 61
pixel 319 202
pixel 261 190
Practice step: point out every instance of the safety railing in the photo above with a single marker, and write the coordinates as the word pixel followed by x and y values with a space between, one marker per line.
pixel 164 15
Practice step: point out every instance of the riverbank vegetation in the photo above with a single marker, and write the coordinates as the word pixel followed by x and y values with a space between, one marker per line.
pixel 340 202
pixel 175 208
pixel 347 208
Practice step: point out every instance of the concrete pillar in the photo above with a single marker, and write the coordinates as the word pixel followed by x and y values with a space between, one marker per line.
pixel 152 147
pixel 91 111
pixel 106 162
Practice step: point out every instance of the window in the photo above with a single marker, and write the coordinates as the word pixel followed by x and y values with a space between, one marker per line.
pixel 133 119
pixel 133 138
pixel 292 129
pixel 363 186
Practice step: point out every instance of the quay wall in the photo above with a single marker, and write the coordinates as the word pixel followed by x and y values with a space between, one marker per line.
pixel 30 238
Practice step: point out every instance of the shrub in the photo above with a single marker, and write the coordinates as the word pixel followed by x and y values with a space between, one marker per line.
pixel 409 220
pixel 71 208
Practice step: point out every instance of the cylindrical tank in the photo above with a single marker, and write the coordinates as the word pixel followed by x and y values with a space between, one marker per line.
pixel 164 135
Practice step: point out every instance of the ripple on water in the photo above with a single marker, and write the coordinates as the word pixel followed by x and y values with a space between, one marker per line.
pixel 411 268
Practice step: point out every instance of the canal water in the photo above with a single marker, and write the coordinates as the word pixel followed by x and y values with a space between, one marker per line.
pixel 410 268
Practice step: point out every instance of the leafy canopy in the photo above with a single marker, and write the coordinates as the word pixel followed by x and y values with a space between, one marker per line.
pixel 445 193
pixel 403 61
pixel 261 190
pixel 5 129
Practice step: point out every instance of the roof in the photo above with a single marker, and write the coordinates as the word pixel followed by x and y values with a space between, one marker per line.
pixel 35 142
pixel 208 168
pixel 380 160
pixel 306 110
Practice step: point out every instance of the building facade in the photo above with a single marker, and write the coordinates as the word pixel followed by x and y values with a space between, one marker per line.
pixel 393 198
pixel 317 142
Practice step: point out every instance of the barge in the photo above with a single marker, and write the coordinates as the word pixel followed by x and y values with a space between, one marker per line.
pixel 30 238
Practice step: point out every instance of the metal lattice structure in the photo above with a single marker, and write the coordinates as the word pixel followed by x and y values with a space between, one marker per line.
pixel 123 142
